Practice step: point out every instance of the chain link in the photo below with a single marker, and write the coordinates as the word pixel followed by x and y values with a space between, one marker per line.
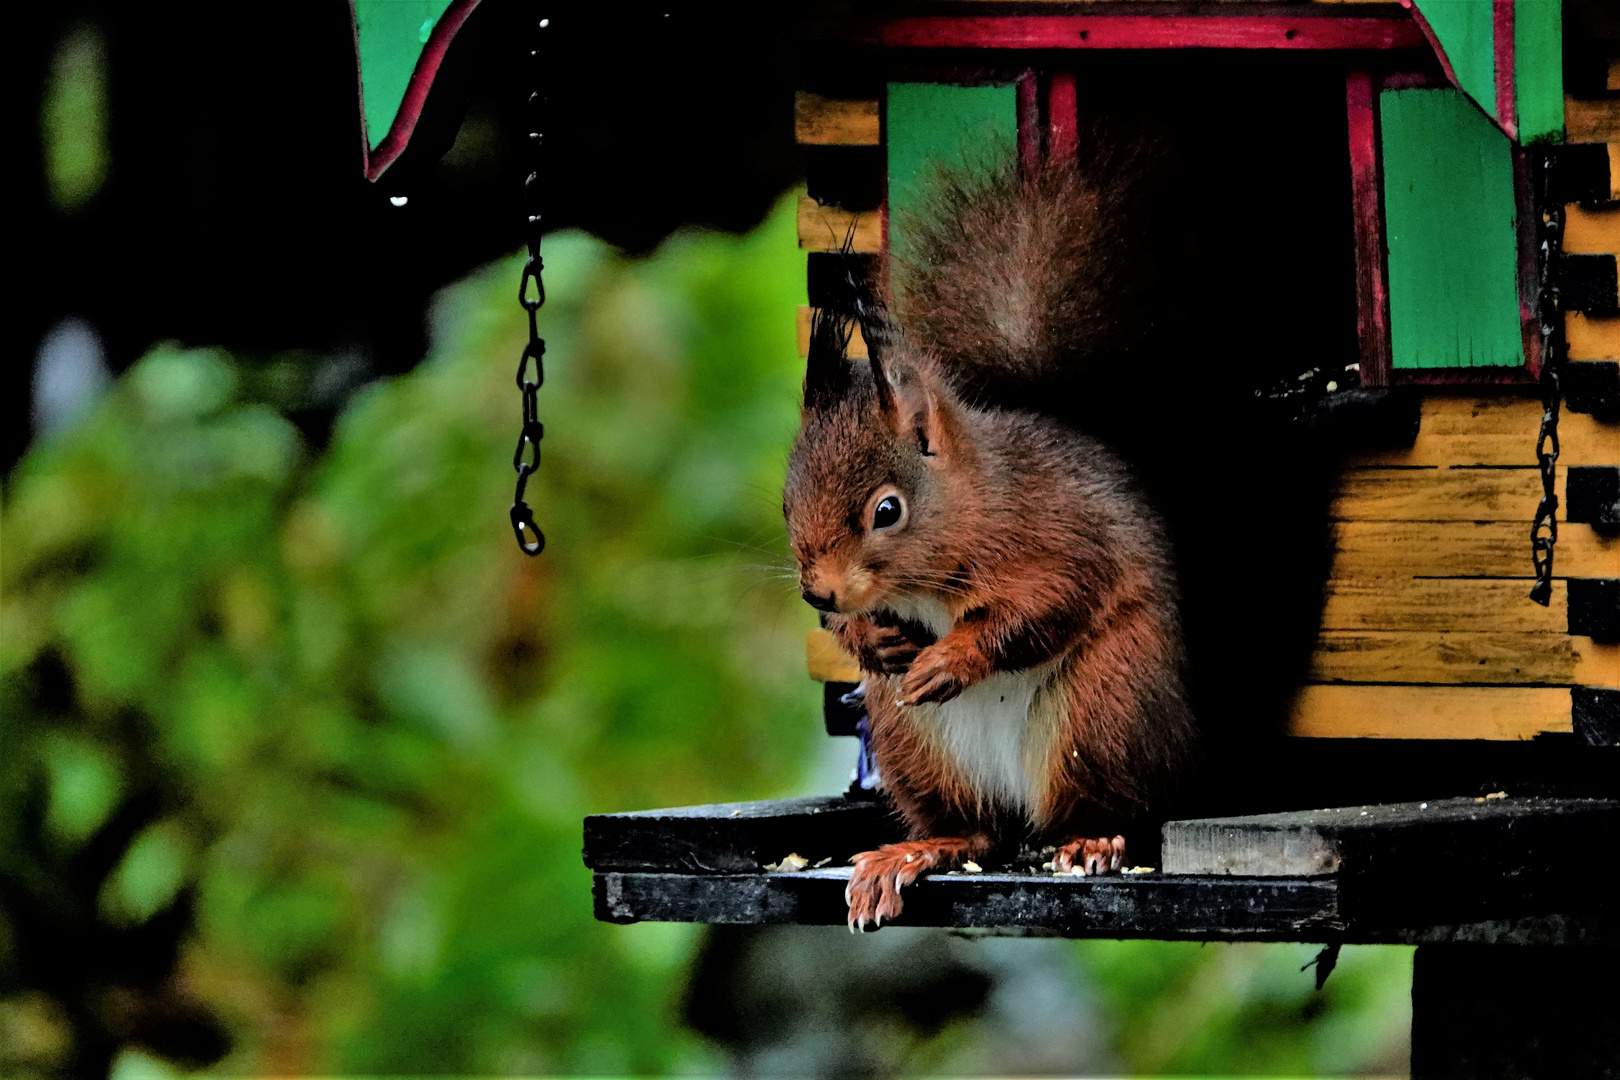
pixel 1544 531
pixel 526 458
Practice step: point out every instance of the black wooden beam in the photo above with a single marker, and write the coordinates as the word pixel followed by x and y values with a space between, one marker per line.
pixel 1595 711
pixel 1113 906
pixel 1412 864
pixel 731 838
pixel 1594 608
pixel 1155 906
pixel 1579 173
pixel 1593 497
pixel 1590 283
pixel 1593 386
pixel 851 177
pixel 1531 1013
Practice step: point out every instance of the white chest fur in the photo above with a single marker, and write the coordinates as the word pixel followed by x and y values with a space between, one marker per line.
pixel 988 731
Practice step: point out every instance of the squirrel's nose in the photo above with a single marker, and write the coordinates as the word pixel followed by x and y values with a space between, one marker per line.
pixel 819 602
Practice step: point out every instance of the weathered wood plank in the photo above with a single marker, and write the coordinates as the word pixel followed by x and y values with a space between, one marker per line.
pixel 1206 907
pixel 827 660
pixel 1443 604
pixel 1348 711
pixel 729 838
pixel 825 121
pixel 1593 121
pixel 825 228
pixel 857 344
pixel 1463 657
pixel 1149 905
pixel 1462 431
pixel 1591 231
pixel 1496 855
pixel 1592 337
pixel 1492 549
pixel 1440 494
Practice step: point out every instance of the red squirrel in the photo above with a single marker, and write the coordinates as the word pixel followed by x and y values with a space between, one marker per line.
pixel 1005 586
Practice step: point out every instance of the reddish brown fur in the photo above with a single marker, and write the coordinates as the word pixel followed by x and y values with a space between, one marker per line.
pixel 1042 552
pixel 1023 281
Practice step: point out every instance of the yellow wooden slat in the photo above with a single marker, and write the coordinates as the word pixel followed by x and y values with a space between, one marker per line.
pixel 1590 337
pixel 1429 712
pixel 1591 232
pixel 825 228
pixel 1492 549
pixel 1497 414
pixel 1592 121
pixel 1443 604
pixel 1496 431
pixel 857 344
pixel 827 660
pixel 824 121
pixel 1439 494
pixel 1405 656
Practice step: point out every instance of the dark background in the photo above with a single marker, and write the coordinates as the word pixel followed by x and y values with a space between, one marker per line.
pixel 235 212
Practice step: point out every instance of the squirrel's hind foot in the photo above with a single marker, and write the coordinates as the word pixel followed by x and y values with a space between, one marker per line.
pixel 874 886
pixel 1099 855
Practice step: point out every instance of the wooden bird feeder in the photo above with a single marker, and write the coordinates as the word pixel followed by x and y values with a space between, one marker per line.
pixel 1480 221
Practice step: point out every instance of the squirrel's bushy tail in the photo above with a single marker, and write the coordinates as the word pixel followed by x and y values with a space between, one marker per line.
pixel 1017 283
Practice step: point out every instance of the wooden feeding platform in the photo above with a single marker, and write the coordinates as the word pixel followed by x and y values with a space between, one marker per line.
pixel 1472 869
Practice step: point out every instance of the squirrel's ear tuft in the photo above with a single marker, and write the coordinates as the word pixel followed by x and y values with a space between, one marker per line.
pixel 826 371
pixel 920 410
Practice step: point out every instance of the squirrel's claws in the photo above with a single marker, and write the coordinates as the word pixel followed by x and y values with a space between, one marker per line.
pixel 1085 857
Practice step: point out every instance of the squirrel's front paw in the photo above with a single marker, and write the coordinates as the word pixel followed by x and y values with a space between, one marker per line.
pixel 873 893
pixel 893 648
pixel 935 675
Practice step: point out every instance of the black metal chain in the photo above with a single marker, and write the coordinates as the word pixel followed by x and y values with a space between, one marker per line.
pixel 1544 531
pixel 526 458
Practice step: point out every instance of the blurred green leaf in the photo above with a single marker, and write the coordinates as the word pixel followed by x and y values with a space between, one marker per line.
pixel 73 118
pixel 152 872
pixel 84 788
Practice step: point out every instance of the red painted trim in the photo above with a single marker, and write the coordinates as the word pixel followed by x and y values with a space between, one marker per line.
pixel 416 91
pixel 1507 111
pixel 1366 193
pixel 1062 114
pixel 1434 42
pixel 1029 123
pixel 1147 32
pixel 1529 262
pixel 1479 376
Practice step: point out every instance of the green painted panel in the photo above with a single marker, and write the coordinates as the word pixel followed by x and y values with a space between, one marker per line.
pixel 390 35
pixel 1449 217
pixel 1538 69
pixel 954 126
pixel 1465 32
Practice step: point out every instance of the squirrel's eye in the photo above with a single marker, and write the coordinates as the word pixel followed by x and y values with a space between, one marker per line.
pixel 888 512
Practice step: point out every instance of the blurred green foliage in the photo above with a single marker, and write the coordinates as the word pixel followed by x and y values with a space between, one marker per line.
pixel 326 707
pixel 1184 1008
pixel 73 119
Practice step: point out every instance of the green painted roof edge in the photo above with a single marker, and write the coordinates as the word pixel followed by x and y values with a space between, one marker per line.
pixel 377 156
